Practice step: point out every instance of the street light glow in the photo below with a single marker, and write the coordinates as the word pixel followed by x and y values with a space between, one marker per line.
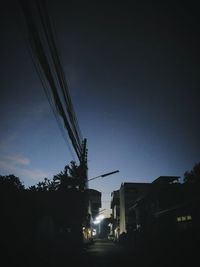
pixel 99 218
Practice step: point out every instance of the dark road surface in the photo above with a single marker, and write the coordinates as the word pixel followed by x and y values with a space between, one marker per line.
pixel 105 253
pixel 102 253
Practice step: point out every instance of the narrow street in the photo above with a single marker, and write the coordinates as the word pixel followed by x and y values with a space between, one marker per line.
pixel 105 253
pixel 102 253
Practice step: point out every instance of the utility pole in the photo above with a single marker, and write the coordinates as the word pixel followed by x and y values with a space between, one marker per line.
pixel 46 59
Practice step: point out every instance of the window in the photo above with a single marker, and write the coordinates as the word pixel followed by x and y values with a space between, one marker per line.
pixel 184 218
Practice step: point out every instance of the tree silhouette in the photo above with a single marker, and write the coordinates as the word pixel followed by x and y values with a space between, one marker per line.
pixel 46 185
pixel 193 176
pixel 68 179
pixel 10 183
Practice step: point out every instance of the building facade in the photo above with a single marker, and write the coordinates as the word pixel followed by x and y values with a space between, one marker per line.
pixel 128 194
pixel 115 207
pixel 94 205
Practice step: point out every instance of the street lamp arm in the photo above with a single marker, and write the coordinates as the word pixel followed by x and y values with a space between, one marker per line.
pixel 103 175
pixel 109 173
pixel 94 178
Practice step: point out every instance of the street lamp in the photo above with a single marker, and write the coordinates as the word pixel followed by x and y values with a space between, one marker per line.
pixel 103 175
pixel 100 216
pixel 97 221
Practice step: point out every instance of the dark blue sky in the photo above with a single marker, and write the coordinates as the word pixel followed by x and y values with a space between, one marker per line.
pixel 133 74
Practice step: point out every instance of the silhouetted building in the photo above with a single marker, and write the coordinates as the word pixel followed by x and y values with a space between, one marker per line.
pixel 160 219
pixel 155 214
pixel 115 207
pixel 94 204
pixel 128 193
pixel 121 201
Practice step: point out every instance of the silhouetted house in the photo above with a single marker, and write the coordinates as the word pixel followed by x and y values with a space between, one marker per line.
pixel 157 211
pixel 115 207
pixel 94 204
pixel 188 218
pixel 160 216
pixel 128 194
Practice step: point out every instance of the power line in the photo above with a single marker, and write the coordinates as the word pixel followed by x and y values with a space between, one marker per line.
pixel 48 64
pixel 44 16
pixel 45 88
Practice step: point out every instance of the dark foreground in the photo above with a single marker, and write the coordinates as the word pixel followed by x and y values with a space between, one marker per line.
pixel 101 253
pixel 106 253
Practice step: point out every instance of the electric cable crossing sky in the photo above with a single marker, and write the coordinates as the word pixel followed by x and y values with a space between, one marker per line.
pixel 47 61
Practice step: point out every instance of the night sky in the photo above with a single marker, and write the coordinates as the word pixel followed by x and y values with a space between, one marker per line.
pixel 133 70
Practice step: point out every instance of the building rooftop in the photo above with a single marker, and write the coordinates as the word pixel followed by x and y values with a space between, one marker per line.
pixel 166 179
